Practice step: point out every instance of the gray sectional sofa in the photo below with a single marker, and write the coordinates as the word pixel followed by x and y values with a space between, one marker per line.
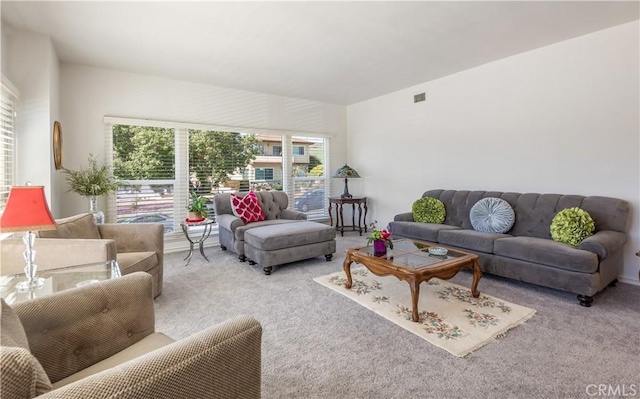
pixel 527 252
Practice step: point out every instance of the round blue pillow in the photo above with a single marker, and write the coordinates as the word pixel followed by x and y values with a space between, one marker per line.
pixel 492 215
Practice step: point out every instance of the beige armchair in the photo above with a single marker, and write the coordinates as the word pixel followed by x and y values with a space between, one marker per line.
pixel 98 341
pixel 138 247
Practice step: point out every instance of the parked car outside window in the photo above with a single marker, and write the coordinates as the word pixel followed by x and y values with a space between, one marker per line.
pixel 309 201
pixel 166 220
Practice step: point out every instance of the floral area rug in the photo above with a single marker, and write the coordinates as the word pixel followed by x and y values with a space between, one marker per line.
pixel 449 316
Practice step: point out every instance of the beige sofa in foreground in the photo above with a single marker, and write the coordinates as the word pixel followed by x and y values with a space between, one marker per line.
pixel 99 341
pixel 79 240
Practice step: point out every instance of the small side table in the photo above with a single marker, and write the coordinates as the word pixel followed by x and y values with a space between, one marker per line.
pixel 362 218
pixel 58 279
pixel 206 231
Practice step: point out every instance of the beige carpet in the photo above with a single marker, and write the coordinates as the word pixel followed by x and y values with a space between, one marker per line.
pixel 450 317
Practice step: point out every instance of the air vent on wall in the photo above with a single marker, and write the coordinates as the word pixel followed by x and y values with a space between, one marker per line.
pixel 419 97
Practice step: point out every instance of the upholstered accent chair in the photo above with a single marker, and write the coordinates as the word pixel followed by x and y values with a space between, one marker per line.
pixel 231 228
pixel 99 341
pixel 138 247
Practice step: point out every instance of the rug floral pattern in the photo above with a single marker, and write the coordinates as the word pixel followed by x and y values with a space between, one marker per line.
pixel 449 316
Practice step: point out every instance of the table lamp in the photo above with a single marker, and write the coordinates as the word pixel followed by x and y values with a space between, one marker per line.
pixel 346 172
pixel 27 210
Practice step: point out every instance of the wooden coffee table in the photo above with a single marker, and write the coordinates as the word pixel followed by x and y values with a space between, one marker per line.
pixel 410 261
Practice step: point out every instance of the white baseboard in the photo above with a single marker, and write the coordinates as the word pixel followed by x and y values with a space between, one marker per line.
pixel 629 281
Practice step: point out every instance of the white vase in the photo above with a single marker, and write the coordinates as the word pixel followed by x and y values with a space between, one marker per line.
pixel 98 216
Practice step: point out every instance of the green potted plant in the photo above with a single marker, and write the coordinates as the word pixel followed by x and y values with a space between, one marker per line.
pixel 197 207
pixel 92 182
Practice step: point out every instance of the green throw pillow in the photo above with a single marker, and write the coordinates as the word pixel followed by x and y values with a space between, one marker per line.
pixel 428 210
pixel 571 226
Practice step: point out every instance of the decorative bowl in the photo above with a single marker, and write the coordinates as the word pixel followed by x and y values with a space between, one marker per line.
pixel 438 251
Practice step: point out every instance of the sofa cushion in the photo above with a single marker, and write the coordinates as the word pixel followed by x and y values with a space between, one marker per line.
pixel 571 226
pixel 547 252
pixel 419 231
pixel 241 230
pixel 78 226
pixel 470 239
pixel 273 237
pixel 130 262
pixel 492 215
pixel 247 208
pixel 11 332
pixel 147 344
pixel 21 375
pixel 428 210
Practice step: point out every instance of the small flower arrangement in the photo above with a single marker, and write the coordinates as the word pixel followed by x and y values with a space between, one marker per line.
pixel 378 234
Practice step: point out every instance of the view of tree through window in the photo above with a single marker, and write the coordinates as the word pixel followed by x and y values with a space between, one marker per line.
pixel 214 156
pixel 161 165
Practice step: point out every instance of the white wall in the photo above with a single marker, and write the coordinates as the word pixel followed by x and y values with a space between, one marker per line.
pixel 88 94
pixel 560 119
pixel 31 64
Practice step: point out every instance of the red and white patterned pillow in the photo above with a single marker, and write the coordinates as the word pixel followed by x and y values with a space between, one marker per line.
pixel 247 208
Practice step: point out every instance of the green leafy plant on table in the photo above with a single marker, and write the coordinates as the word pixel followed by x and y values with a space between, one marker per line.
pixel 197 204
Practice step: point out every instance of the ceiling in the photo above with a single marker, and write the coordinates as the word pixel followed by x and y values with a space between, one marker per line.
pixel 335 52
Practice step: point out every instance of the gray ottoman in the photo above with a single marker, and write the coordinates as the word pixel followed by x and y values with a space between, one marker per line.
pixel 277 244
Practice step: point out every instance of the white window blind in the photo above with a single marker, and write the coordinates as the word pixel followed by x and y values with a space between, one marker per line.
pixel 162 162
pixel 7 142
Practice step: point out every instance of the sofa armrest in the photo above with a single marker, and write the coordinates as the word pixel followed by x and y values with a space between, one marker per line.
pixel 74 329
pixel 292 215
pixel 229 222
pixel 604 243
pixel 404 217
pixel 223 361
pixel 52 253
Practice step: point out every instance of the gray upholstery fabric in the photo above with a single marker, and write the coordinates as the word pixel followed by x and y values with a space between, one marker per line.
pixel 287 255
pixel 604 243
pixel 269 238
pixel 530 255
pixel 418 231
pixel 272 203
pixel 547 252
pixel 284 243
pixel 470 239
pixel 231 229
pixel 242 230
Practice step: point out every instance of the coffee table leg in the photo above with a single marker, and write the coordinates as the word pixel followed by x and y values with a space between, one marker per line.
pixel 415 294
pixel 477 273
pixel 347 270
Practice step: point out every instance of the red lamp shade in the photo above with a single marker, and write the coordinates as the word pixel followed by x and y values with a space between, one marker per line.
pixel 26 210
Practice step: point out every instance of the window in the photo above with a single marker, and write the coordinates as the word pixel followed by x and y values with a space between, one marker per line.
pixel 264 173
pixel 144 157
pixel 7 143
pixel 161 162
pixel 310 182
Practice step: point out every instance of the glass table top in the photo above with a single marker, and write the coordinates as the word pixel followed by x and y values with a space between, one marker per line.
pixel 58 279
pixel 413 254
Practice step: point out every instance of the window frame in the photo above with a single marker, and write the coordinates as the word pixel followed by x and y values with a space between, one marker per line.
pixel 181 153
pixel 8 178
